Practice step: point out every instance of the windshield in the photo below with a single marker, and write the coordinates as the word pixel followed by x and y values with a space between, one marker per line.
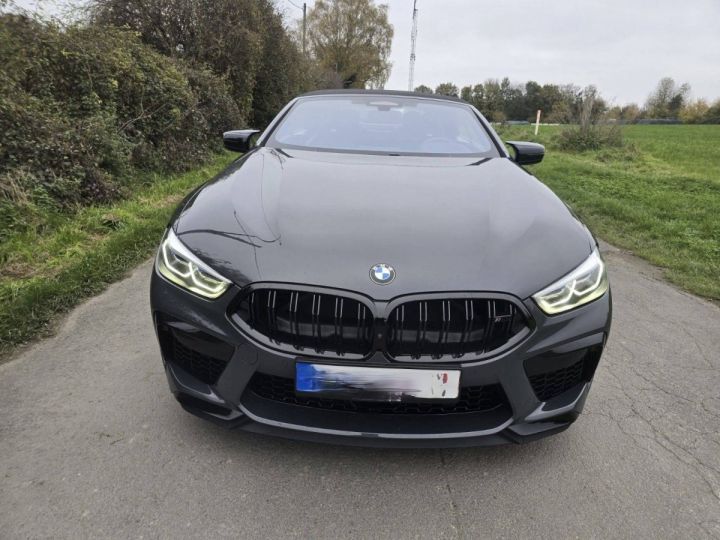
pixel 383 124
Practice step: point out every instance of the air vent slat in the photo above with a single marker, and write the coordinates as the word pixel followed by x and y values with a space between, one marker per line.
pixel 309 321
pixel 453 327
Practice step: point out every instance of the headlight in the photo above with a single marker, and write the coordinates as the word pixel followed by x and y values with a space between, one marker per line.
pixel 176 263
pixel 584 284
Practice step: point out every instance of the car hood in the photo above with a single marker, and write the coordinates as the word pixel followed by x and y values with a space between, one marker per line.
pixel 444 224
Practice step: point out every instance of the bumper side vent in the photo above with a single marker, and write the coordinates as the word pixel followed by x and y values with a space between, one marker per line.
pixel 550 376
pixel 201 355
pixel 553 383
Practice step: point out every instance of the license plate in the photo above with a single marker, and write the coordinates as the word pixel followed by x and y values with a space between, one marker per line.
pixel 376 384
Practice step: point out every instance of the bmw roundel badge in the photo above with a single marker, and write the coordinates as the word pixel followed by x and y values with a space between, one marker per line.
pixel 382 274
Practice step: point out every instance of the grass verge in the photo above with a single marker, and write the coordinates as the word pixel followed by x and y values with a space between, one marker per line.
pixel 44 274
pixel 658 197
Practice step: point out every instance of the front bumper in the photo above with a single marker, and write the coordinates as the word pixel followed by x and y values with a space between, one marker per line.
pixel 212 368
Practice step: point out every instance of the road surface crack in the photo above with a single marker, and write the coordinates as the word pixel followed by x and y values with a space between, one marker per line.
pixel 706 472
pixel 453 505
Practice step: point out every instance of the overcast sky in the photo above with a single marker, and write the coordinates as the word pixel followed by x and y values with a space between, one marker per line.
pixel 622 46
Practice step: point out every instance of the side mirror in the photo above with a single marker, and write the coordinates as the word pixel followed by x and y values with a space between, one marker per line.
pixel 239 140
pixel 527 153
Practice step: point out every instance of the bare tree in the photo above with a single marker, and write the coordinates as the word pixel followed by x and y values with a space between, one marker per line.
pixel 586 107
pixel 447 89
pixel 350 40
pixel 667 99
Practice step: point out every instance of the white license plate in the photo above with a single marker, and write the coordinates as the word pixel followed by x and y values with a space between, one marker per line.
pixel 376 383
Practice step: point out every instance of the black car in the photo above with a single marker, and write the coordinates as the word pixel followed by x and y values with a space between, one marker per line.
pixel 376 269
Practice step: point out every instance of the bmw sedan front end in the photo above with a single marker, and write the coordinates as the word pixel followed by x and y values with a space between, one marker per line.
pixel 377 270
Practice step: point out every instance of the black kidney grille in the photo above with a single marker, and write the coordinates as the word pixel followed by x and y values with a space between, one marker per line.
pixel 452 327
pixel 471 399
pixel 309 321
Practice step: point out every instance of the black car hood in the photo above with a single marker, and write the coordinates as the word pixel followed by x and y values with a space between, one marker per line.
pixel 444 224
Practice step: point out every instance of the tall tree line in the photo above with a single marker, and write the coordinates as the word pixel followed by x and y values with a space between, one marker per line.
pixel 245 41
pixel 248 43
pixel 502 100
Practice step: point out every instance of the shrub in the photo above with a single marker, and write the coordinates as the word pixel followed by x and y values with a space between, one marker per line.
pixel 589 134
pixel 712 116
pixel 593 137
pixel 83 107
pixel 245 41
pixel 694 112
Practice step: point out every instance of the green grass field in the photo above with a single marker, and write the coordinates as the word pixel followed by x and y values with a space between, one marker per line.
pixel 46 272
pixel 659 197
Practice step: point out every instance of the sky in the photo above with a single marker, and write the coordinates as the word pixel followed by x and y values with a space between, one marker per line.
pixel 624 47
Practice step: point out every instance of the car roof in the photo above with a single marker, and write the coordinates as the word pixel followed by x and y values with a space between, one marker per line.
pixel 355 91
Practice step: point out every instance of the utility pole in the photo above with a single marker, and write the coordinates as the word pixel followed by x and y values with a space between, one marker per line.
pixel 304 24
pixel 413 41
pixel 304 31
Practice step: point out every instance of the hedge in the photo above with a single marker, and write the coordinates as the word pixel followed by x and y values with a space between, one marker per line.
pixel 83 108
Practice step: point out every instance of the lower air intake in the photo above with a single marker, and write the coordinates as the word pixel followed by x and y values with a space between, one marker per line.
pixel 472 399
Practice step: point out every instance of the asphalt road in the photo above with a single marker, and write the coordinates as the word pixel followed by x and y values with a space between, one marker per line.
pixel 93 445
